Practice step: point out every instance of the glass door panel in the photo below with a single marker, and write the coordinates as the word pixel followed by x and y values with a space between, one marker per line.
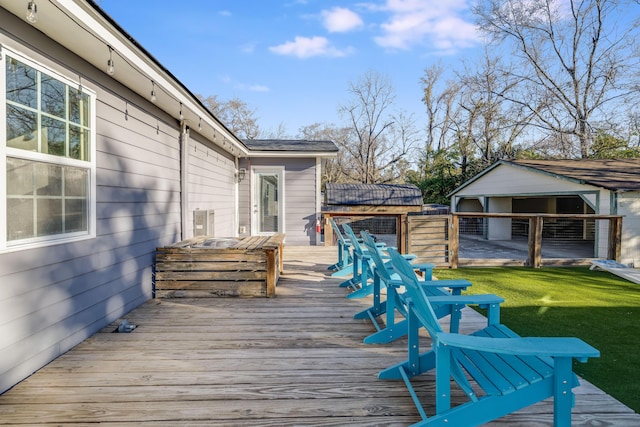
pixel 267 207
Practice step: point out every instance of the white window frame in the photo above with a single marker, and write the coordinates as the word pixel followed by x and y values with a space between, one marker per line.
pixel 36 242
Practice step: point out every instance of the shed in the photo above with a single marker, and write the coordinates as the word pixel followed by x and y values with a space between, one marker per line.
pixel 379 208
pixel 373 197
pixel 582 186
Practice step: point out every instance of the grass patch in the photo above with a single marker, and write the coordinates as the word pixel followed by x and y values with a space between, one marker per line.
pixel 596 306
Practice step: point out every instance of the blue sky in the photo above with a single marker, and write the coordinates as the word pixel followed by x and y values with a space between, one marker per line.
pixel 292 60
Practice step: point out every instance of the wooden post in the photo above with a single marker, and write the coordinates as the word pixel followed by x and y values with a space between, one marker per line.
pixel 272 270
pixel 328 230
pixel 538 242
pixel 410 223
pixel 401 232
pixel 454 240
pixel 615 239
pixel 535 242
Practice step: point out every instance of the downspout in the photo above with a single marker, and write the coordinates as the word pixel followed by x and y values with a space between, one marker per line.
pixel 242 216
pixel 236 197
pixel 318 196
pixel 184 178
pixel 249 197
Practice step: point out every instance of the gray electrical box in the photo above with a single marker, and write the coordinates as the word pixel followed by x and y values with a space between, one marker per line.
pixel 203 222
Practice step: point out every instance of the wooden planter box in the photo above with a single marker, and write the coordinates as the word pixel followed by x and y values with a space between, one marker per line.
pixel 198 267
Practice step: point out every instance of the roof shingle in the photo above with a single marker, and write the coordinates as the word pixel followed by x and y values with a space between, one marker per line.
pixel 299 145
pixel 612 174
pixel 373 194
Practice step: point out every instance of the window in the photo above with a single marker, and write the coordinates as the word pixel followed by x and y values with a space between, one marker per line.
pixel 48 156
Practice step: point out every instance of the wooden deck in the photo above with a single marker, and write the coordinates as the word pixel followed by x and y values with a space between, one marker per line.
pixel 297 359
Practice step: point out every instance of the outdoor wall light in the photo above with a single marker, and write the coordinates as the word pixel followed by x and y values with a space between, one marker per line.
pixel 110 65
pixel 154 98
pixel 32 12
pixel 240 174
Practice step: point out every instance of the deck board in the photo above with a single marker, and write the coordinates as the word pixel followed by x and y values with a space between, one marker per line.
pixel 297 359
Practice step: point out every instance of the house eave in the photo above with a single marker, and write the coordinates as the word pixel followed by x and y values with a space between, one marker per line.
pixel 89 32
pixel 291 154
pixel 475 178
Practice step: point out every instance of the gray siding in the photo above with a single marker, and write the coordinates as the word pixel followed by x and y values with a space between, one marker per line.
pixel 300 197
pixel 300 189
pixel 52 298
pixel 211 186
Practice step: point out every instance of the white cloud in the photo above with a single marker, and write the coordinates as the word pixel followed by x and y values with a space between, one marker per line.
pixel 307 47
pixel 440 25
pixel 258 88
pixel 341 20
pixel 227 80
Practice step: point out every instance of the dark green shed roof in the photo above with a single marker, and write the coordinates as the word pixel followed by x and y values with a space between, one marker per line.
pixel 373 194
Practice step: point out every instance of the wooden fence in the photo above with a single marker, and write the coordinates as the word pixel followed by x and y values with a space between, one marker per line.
pixel 437 238
pixel 440 239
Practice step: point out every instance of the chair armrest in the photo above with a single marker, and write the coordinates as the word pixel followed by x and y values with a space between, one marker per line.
pixel 423 266
pixel 484 299
pixel 453 283
pixel 530 346
pixel 490 302
pixel 396 283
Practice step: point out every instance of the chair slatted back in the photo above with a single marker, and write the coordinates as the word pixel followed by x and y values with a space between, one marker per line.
pixel 370 244
pixel 424 311
pixel 355 244
pixel 337 232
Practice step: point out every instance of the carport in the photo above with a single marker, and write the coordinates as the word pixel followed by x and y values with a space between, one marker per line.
pixel 579 187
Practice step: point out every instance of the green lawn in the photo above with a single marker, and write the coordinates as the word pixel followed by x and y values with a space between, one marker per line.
pixel 596 306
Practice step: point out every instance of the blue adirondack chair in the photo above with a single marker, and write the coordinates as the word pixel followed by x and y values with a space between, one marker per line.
pixel 511 372
pixel 395 303
pixel 363 265
pixel 345 259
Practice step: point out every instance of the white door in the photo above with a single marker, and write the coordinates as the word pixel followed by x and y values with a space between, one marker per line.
pixel 268 201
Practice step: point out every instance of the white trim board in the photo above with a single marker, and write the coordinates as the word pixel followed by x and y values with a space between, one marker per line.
pixel 621 270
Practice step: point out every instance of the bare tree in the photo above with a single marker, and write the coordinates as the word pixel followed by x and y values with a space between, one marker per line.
pixel 213 104
pixel 440 107
pixel 241 119
pixel 235 114
pixel 494 125
pixel 333 170
pixel 279 132
pixel 373 150
pixel 571 58
pixel 469 118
